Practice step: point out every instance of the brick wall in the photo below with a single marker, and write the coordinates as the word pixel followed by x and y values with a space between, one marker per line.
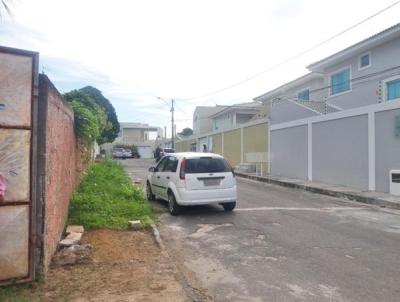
pixel 60 165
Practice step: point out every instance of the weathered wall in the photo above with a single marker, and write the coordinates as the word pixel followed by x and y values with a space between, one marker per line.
pixel 217 143
pixel 232 147
pixel 18 104
pixel 255 138
pixel 61 164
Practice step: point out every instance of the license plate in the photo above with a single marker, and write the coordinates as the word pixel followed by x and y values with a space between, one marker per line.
pixel 211 182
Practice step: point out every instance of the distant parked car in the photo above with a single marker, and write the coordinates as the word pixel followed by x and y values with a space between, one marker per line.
pixel 190 178
pixel 121 153
pixel 127 153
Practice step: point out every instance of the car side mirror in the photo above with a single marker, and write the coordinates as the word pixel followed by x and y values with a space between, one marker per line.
pixel 152 169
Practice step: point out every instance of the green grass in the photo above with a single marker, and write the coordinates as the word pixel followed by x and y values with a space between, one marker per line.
pixel 16 292
pixel 106 198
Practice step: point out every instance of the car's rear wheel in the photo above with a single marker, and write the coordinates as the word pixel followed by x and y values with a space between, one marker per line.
pixel 229 206
pixel 149 192
pixel 173 207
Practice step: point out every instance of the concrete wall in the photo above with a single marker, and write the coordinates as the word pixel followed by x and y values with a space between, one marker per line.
pixel 232 147
pixel 340 152
pixel 255 138
pixel 217 143
pixel 60 165
pixel 355 148
pixel 285 111
pixel 387 147
pixel 182 146
pixel 289 152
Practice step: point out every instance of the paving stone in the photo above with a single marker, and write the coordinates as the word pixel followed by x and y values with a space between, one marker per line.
pixel 66 242
pixel 74 229
pixel 75 237
pixel 135 224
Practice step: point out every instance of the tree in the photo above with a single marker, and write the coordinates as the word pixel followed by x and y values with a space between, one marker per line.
pixel 94 114
pixel 186 132
pixel 110 132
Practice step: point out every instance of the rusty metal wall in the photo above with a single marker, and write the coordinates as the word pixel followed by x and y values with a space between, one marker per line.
pixel 18 92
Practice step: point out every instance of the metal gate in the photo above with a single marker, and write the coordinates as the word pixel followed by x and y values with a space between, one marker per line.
pixel 18 103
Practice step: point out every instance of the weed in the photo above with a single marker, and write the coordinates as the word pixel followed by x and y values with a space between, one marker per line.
pixel 106 198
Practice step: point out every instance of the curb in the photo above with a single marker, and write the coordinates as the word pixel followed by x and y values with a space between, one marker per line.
pixel 157 237
pixel 190 292
pixel 324 191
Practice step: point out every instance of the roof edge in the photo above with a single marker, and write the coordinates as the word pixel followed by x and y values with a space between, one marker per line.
pixel 374 40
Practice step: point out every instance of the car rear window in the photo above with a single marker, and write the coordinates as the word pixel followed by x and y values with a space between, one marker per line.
pixel 206 165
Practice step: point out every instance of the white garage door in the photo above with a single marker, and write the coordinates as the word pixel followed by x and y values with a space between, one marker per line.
pixel 145 152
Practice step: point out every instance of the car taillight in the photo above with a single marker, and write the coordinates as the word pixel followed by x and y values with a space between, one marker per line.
pixel 182 170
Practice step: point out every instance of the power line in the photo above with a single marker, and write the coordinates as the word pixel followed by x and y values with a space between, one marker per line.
pixel 295 56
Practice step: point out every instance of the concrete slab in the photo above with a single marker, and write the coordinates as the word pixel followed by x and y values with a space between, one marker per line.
pixel 74 229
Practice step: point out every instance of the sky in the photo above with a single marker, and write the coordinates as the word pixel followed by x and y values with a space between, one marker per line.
pixel 141 54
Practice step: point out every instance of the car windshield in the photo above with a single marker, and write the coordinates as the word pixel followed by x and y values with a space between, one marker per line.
pixel 169 150
pixel 118 150
pixel 206 165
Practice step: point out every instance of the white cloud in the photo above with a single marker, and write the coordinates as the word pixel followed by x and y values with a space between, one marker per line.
pixel 182 48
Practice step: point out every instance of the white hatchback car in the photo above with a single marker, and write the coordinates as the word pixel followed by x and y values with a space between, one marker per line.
pixel 190 178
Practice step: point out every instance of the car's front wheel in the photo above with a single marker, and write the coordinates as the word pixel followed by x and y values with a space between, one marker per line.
pixel 173 207
pixel 149 192
pixel 229 206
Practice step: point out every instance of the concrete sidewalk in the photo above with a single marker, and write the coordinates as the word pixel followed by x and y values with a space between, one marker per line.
pixel 375 198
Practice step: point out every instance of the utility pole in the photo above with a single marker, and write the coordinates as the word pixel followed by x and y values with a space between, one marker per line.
pixel 172 124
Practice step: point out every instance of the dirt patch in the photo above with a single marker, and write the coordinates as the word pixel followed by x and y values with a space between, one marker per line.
pixel 124 266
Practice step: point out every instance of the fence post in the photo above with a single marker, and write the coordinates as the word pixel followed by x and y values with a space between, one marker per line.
pixel 269 149
pixel 222 143
pixel 241 145
pixel 371 151
pixel 309 151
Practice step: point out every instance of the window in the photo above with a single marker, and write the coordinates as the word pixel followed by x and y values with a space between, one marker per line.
pixel 304 95
pixel 206 165
pixel 364 61
pixel 393 90
pixel 171 165
pixel 340 82
pixel 161 164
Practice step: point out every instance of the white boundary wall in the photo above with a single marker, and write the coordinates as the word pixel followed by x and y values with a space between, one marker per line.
pixel 355 147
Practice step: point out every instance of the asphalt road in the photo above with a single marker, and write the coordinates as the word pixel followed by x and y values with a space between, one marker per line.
pixel 284 244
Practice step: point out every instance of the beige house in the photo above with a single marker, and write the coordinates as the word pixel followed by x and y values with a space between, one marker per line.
pixel 202 123
pixel 132 133
pixel 137 134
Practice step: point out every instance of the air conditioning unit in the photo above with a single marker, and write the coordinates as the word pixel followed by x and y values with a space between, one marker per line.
pixel 394 182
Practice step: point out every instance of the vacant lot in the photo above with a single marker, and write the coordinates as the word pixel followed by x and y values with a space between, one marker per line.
pixel 123 266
